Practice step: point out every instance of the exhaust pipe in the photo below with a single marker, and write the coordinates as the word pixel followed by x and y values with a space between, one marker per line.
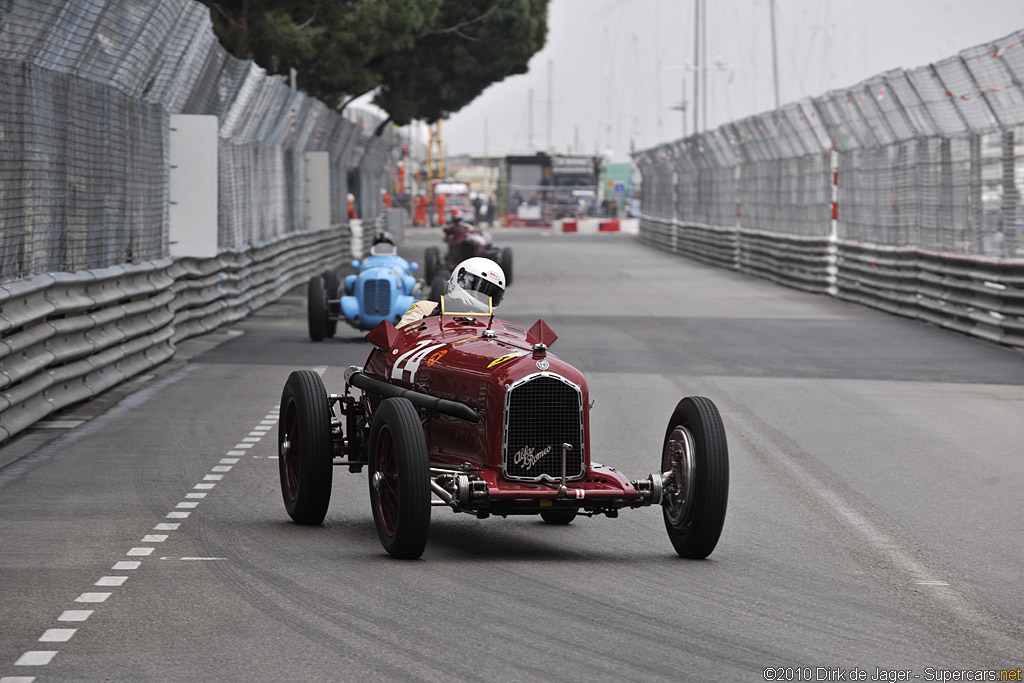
pixel 460 411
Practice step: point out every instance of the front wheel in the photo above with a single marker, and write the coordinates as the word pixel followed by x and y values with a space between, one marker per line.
pixel 431 262
pixel 505 261
pixel 316 308
pixel 305 457
pixel 696 494
pixel 437 288
pixel 399 469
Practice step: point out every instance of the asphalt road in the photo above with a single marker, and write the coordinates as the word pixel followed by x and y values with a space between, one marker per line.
pixel 874 515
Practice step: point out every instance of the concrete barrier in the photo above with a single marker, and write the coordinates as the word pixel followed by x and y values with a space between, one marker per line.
pixel 594 226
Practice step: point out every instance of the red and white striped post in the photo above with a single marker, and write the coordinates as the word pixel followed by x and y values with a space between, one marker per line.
pixel 833 237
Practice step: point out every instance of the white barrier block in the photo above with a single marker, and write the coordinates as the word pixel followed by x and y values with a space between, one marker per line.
pixel 192 217
pixel 318 190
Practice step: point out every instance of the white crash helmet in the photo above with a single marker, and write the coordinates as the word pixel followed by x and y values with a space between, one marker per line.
pixel 473 282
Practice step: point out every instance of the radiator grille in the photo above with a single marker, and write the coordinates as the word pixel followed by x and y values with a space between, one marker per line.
pixel 541 413
pixel 377 297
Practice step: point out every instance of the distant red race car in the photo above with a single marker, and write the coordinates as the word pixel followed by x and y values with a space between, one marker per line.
pixel 462 241
pixel 476 412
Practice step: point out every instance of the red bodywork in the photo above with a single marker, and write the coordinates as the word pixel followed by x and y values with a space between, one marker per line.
pixel 474 359
pixel 466 241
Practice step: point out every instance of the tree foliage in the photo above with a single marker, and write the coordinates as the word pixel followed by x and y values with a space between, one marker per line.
pixel 426 58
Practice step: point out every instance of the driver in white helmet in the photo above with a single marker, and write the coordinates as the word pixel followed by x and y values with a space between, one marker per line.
pixel 475 286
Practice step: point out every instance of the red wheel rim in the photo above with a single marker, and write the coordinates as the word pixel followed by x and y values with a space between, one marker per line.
pixel 291 458
pixel 387 493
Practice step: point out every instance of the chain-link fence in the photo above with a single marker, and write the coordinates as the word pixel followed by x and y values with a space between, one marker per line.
pixel 931 158
pixel 87 89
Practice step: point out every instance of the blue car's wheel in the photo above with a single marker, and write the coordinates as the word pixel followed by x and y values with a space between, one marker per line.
pixel 331 284
pixel 316 308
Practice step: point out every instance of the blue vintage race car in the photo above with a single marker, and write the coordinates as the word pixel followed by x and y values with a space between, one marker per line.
pixel 383 288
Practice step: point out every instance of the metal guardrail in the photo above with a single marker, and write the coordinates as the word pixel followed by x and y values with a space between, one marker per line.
pixel 69 336
pixel 982 297
pixel 804 262
pixel 979 296
pixel 213 292
pixel 801 261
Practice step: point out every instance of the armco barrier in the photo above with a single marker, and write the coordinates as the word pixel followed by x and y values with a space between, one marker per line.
pixel 212 292
pixel 69 336
pixel 806 263
pixel 980 296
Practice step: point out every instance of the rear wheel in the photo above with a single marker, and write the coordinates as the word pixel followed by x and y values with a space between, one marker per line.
pixel 316 308
pixel 399 470
pixel 697 492
pixel 558 517
pixel 331 284
pixel 505 261
pixel 304 453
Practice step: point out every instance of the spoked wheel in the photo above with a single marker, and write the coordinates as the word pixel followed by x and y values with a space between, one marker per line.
pixel 505 261
pixel 697 491
pixel 304 453
pixel 316 308
pixel 331 284
pixel 558 517
pixel 399 470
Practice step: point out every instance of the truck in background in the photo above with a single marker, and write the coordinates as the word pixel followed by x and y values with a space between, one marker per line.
pixel 542 188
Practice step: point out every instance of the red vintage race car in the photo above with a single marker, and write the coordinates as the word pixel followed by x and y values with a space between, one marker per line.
pixel 474 412
pixel 462 241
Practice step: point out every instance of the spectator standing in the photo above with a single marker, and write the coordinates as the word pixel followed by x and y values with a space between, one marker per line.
pixel 440 203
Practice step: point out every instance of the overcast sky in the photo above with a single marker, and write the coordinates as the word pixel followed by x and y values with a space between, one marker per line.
pixel 607 85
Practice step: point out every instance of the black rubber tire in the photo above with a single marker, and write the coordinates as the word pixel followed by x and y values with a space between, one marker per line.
pixel 400 496
pixel 558 517
pixel 437 288
pixel 316 308
pixel 306 467
pixel 694 529
pixel 331 285
pixel 505 261
pixel 431 262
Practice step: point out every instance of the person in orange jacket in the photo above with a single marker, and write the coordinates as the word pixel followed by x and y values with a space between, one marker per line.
pixel 386 198
pixel 352 206
pixel 420 209
pixel 440 202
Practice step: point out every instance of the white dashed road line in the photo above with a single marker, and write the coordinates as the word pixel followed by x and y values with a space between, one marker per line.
pixel 39 658
pixel 75 615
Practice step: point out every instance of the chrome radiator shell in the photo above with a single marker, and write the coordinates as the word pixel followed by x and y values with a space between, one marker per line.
pixel 542 411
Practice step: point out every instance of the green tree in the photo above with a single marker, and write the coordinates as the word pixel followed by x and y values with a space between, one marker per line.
pixel 477 43
pixel 427 58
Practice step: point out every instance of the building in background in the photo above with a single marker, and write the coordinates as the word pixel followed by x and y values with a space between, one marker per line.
pixel 618 186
